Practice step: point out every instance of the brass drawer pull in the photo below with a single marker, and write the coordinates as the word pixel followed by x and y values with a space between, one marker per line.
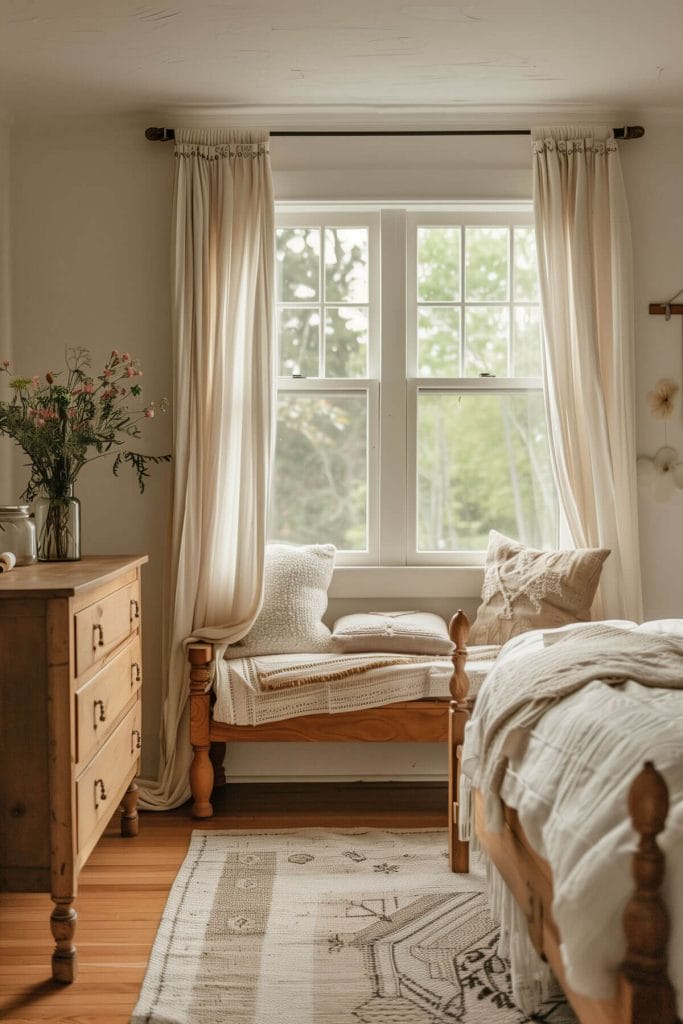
pixel 99 633
pixel 134 673
pixel 135 609
pixel 103 792
pixel 102 717
pixel 133 744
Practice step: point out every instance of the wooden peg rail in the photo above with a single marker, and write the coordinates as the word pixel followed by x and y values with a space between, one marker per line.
pixel 660 309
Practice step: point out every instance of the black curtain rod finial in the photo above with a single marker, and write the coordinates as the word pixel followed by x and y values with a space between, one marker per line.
pixel 160 134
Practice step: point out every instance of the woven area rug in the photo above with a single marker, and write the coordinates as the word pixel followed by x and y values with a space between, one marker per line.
pixel 317 926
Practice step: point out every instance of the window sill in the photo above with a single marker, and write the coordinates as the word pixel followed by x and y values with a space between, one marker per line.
pixel 410 581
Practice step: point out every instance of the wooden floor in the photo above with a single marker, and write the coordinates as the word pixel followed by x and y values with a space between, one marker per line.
pixel 124 885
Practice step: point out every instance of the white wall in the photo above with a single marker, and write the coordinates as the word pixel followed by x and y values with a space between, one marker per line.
pixel 90 266
pixel 653 172
pixel 6 452
pixel 90 243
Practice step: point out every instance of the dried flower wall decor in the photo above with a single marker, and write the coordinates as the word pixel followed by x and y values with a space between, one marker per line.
pixel 662 473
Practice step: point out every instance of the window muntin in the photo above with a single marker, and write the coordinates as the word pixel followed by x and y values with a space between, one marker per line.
pixel 459 444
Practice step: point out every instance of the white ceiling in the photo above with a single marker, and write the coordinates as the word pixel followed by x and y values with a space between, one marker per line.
pixel 88 56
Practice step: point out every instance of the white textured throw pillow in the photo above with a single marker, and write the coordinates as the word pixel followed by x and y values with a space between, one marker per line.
pixel 294 602
pixel 398 632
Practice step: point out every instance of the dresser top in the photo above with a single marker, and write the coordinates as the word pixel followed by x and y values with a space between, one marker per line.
pixel 64 579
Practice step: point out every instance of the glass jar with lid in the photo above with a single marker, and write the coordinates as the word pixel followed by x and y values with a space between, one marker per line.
pixel 18 533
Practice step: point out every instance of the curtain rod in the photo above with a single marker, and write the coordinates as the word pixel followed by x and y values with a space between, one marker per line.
pixel 168 134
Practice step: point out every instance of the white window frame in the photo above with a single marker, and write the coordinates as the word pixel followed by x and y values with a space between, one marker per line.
pixel 462 216
pixel 393 386
pixel 319 216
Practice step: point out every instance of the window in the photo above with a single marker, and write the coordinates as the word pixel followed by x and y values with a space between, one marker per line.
pixel 410 402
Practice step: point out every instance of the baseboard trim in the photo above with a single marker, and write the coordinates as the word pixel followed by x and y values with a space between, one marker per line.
pixel 345 778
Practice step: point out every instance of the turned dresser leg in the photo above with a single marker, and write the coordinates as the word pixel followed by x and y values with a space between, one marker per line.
pixel 63 926
pixel 129 811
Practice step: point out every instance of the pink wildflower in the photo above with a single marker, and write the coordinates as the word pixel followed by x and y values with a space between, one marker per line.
pixel 149 412
pixel 5 364
pixel 126 357
pixel 130 372
pixel 88 389
pixel 35 381
pixel 115 353
pixel 107 372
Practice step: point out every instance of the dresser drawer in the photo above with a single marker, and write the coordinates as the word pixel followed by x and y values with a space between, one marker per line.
pixel 100 702
pixel 104 625
pixel 101 786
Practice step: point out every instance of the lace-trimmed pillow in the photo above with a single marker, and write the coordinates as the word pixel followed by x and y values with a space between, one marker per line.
pixel 527 589
pixel 396 632
pixel 294 601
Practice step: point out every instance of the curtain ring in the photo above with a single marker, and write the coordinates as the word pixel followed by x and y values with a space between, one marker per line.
pixel 667 311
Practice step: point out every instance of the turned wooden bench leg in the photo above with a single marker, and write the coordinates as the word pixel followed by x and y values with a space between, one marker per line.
pixel 458 849
pixel 63 927
pixel 458 716
pixel 201 769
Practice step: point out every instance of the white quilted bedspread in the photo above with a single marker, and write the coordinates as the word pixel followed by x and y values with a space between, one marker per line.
pixel 570 786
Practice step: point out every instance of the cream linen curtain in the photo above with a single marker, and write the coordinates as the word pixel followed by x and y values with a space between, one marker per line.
pixel 222 306
pixel 585 267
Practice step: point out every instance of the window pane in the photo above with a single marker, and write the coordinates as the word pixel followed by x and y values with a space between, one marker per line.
pixel 438 264
pixel 438 341
pixel 320 474
pixel 346 264
pixel 486 264
pixel 487 332
pixel 483 463
pixel 527 347
pixel 298 264
pixel 526 271
pixel 299 341
pixel 346 342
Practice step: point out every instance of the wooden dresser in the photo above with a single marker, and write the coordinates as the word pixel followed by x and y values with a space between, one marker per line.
pixel 70 724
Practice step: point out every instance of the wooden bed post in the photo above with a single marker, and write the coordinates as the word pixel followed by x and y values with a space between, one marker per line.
pixel 458 715
pixel 201 769
pixel 650 995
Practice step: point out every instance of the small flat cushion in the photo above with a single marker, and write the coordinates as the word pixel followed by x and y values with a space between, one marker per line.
pixel 396 632
pixel 528 589
pixel 295 585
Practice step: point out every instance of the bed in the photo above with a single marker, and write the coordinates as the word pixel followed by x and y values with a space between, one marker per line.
pixel 527 829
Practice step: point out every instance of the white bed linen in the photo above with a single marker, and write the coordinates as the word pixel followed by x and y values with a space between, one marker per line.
pixel 241 701
pixel 569 788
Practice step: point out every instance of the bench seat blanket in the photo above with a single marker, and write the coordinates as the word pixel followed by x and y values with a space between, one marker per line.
pixel 251 691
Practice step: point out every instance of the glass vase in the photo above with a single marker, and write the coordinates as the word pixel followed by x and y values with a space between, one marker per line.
pixel 58 527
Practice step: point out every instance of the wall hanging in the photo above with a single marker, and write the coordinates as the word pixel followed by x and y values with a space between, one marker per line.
pixel 661 473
